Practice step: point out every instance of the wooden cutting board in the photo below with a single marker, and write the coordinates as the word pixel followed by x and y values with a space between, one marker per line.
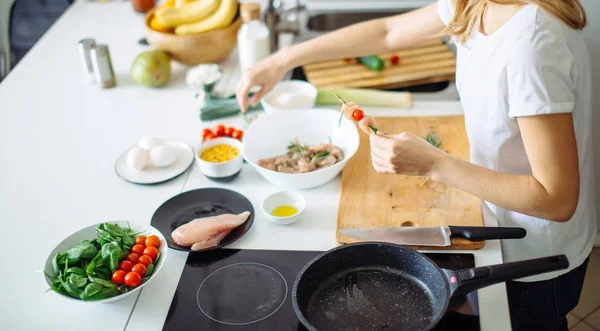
pixel 430 62
pixel 369 199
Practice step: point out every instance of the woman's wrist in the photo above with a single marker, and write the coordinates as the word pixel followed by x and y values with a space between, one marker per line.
pixel 284 59
pixel 440 165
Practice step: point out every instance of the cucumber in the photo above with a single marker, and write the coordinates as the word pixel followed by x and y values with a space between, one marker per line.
pixel 373 62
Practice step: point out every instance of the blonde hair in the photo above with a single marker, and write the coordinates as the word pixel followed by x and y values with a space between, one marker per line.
pixel 468 14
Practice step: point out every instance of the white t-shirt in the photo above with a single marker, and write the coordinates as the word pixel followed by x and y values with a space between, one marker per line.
pixel 534 64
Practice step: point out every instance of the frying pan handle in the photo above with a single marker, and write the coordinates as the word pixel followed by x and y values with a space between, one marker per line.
pixel 479 233
pixel 468 280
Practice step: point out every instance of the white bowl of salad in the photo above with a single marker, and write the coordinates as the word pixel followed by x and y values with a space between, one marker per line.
pixel 106 262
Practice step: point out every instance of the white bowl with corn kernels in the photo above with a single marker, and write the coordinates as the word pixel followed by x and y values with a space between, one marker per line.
pixel 220 159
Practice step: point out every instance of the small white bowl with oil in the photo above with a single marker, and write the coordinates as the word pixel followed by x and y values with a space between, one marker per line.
pixel 284 207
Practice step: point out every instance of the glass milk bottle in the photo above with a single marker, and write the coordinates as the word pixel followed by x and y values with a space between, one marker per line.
pixel 253 37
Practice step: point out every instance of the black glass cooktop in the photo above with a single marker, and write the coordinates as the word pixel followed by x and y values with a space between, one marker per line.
pixel 231 289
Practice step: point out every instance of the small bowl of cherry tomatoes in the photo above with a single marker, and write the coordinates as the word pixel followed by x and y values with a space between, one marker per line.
pixel 222 131
pixel 106 262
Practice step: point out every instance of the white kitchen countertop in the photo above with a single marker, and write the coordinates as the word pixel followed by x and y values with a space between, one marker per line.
pixel 60 140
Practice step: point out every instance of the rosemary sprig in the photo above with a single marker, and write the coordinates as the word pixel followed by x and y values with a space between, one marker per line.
pixel 295 143
pixel 319 156
pixel 433 139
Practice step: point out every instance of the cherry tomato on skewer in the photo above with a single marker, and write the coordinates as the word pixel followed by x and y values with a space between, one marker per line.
pixel 358 115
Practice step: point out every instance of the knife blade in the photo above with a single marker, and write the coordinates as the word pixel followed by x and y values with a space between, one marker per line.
pixel 433 235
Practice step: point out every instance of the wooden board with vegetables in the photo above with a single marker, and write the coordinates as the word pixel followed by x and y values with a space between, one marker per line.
pixel 430 62
pixel 369 199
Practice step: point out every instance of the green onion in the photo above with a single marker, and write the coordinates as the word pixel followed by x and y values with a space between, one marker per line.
pixel 367 97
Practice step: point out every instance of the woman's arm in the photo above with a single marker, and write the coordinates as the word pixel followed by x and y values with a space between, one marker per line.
pixel 551 192
pixel 367 38
pixel 372 37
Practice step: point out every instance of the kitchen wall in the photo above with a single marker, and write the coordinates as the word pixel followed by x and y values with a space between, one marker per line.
pixel 592 35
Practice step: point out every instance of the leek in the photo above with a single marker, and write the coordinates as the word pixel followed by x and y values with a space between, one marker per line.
pixel 366 97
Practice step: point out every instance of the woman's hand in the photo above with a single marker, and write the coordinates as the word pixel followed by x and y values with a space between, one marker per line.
pixel 266 74
pixel 403 154
pixel 348 110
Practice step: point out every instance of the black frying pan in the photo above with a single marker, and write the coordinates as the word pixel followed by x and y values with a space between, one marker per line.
pixel 375 286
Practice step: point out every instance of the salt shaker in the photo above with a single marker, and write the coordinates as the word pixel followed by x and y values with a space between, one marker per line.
pixel 85 47
pixel 102 64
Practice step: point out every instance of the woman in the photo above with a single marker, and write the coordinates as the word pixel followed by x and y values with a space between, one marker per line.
pixel 523 75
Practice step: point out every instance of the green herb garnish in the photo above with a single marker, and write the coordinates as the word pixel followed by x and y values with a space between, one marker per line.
pixel 433 139
pixel 319 156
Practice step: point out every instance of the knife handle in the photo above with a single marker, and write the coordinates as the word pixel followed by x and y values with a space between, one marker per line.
pixel 480 233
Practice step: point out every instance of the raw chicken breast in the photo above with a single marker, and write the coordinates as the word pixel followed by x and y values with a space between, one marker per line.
pixel 207 232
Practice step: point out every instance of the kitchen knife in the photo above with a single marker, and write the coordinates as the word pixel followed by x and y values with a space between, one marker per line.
pixel 433 235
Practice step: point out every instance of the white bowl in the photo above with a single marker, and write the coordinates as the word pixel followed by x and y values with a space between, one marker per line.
pixel 304 91
pixel 269 135
pixel 222 171
pixel 88 233
pixel 283 198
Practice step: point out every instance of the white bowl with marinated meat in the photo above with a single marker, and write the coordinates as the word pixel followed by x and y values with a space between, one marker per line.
pixel 300 149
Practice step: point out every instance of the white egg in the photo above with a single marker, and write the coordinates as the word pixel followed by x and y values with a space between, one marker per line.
pixel 149 143
pixel 162 156
pixel 137 158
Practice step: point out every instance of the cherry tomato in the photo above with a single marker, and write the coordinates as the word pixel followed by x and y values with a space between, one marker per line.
pixel 145 260
pixel 140 240
pixel 153 241
pixel 237 134
pixel 151 251
pixel 133 279
pixel 229 131
pixel 206 132
pixel 358 115
pixel 220 130
pixel 395 59
pixel 140 269
pixel 133 258
pixel 347 60
pixel 138 249
pixel 125 265
pixel 210 136
pixel 118 277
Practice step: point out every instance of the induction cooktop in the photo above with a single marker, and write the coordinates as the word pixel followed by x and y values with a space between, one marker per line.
pixel 232 289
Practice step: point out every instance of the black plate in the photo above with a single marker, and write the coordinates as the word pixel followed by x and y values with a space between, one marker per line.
pixel 205 202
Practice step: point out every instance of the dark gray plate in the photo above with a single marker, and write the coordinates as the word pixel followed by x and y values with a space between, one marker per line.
pixel 204 202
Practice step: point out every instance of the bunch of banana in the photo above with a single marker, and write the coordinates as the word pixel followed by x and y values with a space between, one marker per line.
pixel 196 16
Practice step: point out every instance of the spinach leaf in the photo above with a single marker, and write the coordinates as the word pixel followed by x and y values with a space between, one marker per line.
pixel 57 287
pixel 111 252
pixel 76 270
pixel 78 280
pixel 102 272
pixel 91 289
pixel 53 279
pixel 84 249
pixel 102 282
pixel 157 257
pixel 103 294
pixel 96 262
pixel 71 289
pixel 55 264
pixel 149 270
